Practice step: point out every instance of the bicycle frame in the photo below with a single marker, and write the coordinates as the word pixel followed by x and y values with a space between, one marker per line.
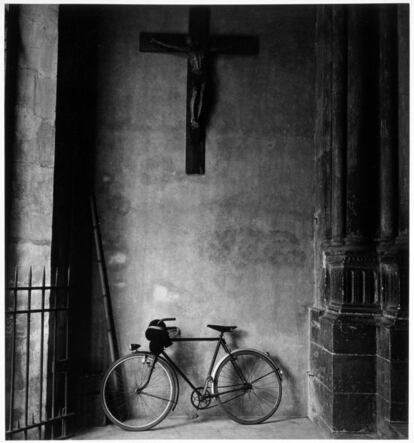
pixel 234 374
pixel 221 342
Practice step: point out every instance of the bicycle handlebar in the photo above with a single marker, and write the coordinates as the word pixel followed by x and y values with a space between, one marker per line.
pixel 167 319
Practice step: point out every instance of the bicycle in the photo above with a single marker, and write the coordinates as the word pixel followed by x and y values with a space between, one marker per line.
pixel 140 389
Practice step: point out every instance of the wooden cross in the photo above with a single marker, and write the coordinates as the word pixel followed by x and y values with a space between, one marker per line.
pixel 198 46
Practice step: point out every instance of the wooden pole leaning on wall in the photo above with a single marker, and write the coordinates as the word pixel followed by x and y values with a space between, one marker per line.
pixel 106 296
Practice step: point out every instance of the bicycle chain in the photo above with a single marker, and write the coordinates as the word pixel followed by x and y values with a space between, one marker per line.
pixel 222 403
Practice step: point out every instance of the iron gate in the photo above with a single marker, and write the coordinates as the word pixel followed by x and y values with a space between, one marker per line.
pixel 37 322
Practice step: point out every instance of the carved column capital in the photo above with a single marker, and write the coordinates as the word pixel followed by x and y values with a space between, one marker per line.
pixel 393 272
pixel 351 279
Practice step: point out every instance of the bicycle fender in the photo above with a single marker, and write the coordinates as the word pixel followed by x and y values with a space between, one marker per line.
pixel 213 375
pixel 177 384
pixel 174 375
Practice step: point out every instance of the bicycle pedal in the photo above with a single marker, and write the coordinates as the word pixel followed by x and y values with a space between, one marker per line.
pixel 194 416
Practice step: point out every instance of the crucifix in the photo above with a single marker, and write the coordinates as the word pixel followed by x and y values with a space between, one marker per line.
pixel 199 47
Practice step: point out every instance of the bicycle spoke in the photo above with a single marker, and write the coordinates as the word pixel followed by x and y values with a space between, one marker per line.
pixel 264 399
pixel 121 392
pixel 233 398
pixel 150 407
pixel 130 408
pixel 260 398
pixel 252 369
pixel 230 386
pixel 154 396
pixel 263 376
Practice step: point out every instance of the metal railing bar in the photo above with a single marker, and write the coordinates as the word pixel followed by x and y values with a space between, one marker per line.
pixel 66 387
pixel 35 311
pixel 55 293
pixel 44 422
pixel 42 334
pixel 65 408
pixel 35 288
pixel 27 381
pixel 55 422
pixel 13 356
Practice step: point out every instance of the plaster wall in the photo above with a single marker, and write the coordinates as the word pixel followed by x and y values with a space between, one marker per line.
pixel 234 246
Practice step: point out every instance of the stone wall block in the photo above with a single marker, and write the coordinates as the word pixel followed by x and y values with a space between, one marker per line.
pixel 399 412
pixel 399 382
pixel 399 343
pixel 327 322
pixel 45 98
pixel 354 373
pixel 354 413
pixel 383 342
pixel 353 335
pixel 315 324
pixel 26 93
pixel 32 213
pixel 321 364
pixel 347 334
pixel 321 403
pixel 383 378
pixel 48 61
pixel 27 154
pixel 383 411
pixel 46 144
pixel 27 125
pixel 38 38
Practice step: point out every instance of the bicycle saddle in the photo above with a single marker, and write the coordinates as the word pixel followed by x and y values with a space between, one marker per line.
pixel 222 328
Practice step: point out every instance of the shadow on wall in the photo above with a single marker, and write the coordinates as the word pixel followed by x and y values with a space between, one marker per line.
pixel 289 388
pixel 183 355
pixel 235 338
pixel 290 391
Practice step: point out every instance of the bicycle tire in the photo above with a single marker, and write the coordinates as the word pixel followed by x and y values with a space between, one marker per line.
pixel 256 401
pixel 124 405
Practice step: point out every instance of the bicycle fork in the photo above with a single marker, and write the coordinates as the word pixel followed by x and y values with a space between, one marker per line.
pixel 140 389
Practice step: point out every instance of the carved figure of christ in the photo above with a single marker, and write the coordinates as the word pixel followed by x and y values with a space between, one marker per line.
pixel 198 47
pixel 197 60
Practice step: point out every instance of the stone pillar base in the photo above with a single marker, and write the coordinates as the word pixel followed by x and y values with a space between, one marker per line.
pixel 343 372
pixel 392 374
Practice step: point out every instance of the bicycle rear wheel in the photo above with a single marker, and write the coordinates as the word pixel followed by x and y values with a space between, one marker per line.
pixel 248 386
pixel 126 400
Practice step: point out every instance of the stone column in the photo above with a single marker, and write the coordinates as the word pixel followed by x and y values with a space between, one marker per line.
pixel 342 349
pixel 351 261
pixel 339 61
pixel 392 352
pixel 354 356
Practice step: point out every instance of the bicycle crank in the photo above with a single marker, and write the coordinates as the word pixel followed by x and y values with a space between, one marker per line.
pixel 200 401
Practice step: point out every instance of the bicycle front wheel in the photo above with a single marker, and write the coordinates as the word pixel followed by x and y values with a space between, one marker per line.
pixel 248 386
pixel 130 400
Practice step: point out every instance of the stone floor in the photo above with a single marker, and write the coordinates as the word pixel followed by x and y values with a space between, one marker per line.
pixel 211 428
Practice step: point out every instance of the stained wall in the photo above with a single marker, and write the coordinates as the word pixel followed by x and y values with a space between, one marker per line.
pixel 30 153
pixel 234 246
